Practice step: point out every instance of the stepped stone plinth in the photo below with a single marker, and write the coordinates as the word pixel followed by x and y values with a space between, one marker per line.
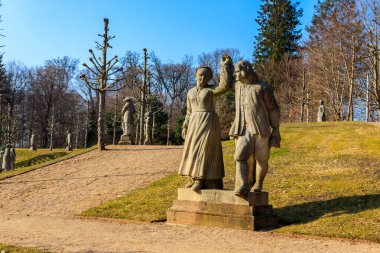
pixel 125 140
pixel 222 208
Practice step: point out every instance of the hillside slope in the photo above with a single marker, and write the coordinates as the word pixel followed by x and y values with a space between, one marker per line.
pixel 323 181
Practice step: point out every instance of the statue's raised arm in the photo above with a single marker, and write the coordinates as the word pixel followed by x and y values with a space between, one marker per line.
pixel 226 75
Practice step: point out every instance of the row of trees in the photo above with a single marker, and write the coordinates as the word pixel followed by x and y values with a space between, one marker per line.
pixel 59 96
pixel 338 63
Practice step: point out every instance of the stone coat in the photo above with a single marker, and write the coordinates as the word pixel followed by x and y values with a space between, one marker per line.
pixel 256 109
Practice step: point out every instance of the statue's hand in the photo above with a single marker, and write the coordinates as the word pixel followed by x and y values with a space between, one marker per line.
pixel 226 60
pixel 275 138
pixel 184 132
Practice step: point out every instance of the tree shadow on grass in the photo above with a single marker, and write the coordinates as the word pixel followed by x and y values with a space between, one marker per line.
pixel 40 159
pixel 311 211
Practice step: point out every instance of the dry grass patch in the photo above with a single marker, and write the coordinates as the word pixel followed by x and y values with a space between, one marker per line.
pixel 15 249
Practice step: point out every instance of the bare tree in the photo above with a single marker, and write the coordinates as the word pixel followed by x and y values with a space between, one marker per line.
pixel 107 77
pixel 370 16
pixel 336 31
pixel 174 80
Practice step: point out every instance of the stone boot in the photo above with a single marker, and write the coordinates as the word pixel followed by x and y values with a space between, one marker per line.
pixel 189 184
pixel 261 172
pixel 241 187
pixel 198 185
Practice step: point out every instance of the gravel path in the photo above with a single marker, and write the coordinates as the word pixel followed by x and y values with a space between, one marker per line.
pixel 37 209
pixel 74 185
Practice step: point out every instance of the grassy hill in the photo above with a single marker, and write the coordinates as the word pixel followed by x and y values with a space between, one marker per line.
pixel 28 160
pixel 323 181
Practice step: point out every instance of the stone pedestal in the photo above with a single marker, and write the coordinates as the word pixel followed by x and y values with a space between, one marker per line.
pixel 222 208
pixel 125 140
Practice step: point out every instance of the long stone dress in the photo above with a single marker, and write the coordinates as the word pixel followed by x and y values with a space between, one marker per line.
pixel 202 156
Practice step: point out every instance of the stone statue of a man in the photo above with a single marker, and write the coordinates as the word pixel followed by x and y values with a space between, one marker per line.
pixel 321 112
pixel 256 128
pixel 69 141
pixel 9 158
pixel 127 112
pixel 32 142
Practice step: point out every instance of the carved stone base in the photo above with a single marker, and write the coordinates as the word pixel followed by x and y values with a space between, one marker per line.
pixel 222 209
pixel 125 140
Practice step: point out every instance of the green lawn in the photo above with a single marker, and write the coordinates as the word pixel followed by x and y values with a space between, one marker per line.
pixel 28 160
pixel 323 181
pixel 14 249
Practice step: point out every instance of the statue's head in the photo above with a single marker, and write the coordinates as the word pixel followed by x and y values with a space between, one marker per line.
pixel 203 74
pixel 321 102
pixel 245 73
pixel 8 145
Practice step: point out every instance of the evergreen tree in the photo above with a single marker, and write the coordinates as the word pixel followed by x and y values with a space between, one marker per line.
pixel 278 33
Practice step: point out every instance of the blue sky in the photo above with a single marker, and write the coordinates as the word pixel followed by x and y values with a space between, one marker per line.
pixel 39 30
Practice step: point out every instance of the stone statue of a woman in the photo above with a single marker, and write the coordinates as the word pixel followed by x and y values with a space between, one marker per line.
pixel 202 158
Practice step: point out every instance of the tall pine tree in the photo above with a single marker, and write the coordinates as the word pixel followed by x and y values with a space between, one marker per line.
pixel 278 33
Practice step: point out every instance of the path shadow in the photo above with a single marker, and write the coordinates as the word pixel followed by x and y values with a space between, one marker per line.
pixel 40 159
pixel 311 211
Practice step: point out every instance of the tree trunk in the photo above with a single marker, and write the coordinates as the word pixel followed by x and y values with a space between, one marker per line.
pixel 307 105
pixel 169 121
pixel 87 124
pixel 138 128
pixel 367 101
pixel 77 134
pixel 101 128
pixel 143 101
pixel 153 126
pixel 114 123
pixel 52 129
pixel 351 89
pixel 303 94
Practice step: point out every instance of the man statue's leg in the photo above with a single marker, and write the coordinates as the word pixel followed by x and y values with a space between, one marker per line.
pixel 241 158
pixel 262 156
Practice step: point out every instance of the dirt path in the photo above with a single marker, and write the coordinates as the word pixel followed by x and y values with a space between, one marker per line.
pixel 74 185
pixel 37 208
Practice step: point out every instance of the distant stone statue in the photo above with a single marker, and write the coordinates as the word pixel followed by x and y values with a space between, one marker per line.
pixel 127 112
pixel 9 158
pixel 32 143
pixel 1 159
pixel 202 158
pixel 69 141
pixel 256 128
pixel 321 112
pixel 148 128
